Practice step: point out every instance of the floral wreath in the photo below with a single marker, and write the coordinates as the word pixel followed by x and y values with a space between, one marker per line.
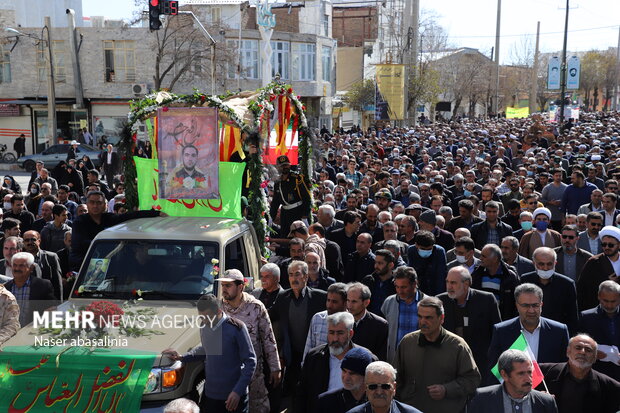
pixel 261 107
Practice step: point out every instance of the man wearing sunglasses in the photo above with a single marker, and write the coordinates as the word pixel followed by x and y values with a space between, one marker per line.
pixel 589 239
pixel 571 259
pixel 601 267
pixel 380 383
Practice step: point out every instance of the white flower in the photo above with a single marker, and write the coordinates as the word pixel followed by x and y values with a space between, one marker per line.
pixel 188 182
pixel 81 289
pixel 215 261
pixel 161 96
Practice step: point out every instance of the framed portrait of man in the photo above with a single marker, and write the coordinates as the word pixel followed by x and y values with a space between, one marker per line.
pixel 187 143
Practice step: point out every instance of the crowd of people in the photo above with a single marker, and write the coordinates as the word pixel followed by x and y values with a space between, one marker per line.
pixel 401 279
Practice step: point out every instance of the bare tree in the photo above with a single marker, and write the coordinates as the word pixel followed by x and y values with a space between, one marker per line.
pixel 522 52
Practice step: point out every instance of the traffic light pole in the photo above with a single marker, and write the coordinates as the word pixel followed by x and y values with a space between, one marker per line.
pixel 563 69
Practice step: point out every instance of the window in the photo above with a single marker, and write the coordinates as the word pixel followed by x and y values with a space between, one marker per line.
pixel 304 61
pixel 280 59
pixel 5 65
pixel 59 49
pixel 216 15
pixel 325 22
pixel 120 61
pixel 249 59
pixel 326 63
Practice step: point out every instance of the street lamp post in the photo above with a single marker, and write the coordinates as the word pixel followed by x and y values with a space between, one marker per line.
pixel 52 123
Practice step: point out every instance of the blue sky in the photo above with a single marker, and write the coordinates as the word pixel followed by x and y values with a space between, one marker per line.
pixel 593 24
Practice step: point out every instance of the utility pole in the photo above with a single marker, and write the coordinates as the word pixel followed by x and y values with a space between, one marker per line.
pixel 563 68
pixel 415 26
pixel 497 31
pixel 52 124
pixel 617 86
pixel 534 78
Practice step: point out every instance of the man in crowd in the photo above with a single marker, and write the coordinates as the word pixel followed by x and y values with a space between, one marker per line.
pixel 353 391
pixel 516 393
pixel 293 311
pixel 321 370
pixel 602 323
pixel 571 259
pixel 495 277
pixel 469 313
pixel 381 387
pixel 401 309
pixel 346 237
pixel 380 282
pixel 577 193
pixel 589 239
pixel 576 386
pixel 558 290
pixel 436 367
pixel 336 303
pixel 601 267
pixel 9 314
pixel 270 285
pixel 491 230
pixel 226 347
pixel 548 339
pixel 429 262
pixel 47 261
pixel 370 331
pixel 33 294
pixel 464 253
pixel 542 236
pixel 18 211
pixel 243 306
pixel 510 254
pixel 361 262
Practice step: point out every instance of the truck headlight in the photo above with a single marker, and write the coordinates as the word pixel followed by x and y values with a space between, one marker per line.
pixel 163 379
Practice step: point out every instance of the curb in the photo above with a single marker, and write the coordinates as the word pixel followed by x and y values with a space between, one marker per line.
pixel 11 167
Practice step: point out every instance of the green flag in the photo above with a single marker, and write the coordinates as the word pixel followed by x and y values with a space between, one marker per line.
pixel 41 379
pixel 228 206
pixel 512 113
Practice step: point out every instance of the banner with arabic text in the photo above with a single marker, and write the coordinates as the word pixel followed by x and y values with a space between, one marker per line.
pixel 227 206
pixel 390 92
pixel 512 113
pixel 41 379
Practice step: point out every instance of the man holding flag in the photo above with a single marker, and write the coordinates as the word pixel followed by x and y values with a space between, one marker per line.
pixel 545 340
pixel 519 376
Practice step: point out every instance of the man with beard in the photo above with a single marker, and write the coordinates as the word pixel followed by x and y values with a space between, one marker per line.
pixel 576 386
pixel 602 323
pixel 336 303
pixel 292 194
pixel 353 391
pixel 515 394
pixel 321 368
pixel 243 306
pixel 601 267
pixel 381 384
pixel 571 259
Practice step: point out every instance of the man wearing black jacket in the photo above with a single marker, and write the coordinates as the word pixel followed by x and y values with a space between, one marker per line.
pixel 293 311
pixel 87 226
pixel 316 375
pixel 370 331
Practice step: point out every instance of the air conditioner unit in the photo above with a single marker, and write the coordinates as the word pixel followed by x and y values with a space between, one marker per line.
pixel 139 89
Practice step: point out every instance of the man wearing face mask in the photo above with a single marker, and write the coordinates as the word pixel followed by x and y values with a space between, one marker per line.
pixel 291 193
pixel 559 290
pixel 526 222
pixel 542 236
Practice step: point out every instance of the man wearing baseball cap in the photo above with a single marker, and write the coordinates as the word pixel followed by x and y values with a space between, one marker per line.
pixel 291 195
pixel 353 392
pixel 383 197
pixel 601 267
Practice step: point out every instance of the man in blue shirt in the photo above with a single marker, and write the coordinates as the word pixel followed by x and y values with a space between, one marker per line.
pixel 229 358
pixel 577 193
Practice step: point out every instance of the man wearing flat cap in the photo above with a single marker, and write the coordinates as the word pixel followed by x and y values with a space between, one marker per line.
pixel 541 235
pixel 291 193
pixel 601 267
pixel 353 391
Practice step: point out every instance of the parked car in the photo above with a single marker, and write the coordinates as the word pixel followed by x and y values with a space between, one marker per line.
pixel 56 153
pixel 158 268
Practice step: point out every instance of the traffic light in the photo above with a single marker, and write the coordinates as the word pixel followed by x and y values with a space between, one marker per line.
pixel 154 12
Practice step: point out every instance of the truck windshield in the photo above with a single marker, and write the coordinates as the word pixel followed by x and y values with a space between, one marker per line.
pixel 148 269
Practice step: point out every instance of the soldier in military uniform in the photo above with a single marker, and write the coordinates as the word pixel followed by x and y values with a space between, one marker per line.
pixel 292 193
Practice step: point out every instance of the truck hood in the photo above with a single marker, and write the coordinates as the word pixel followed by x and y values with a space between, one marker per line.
pixel 167 324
